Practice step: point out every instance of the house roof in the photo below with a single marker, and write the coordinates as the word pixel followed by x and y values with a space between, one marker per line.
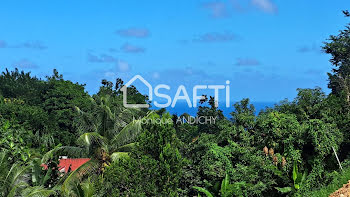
pixel 74 164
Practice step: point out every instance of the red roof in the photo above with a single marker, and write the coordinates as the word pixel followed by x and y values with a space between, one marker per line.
pixel 72 163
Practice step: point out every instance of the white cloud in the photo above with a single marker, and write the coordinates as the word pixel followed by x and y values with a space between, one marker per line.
pixel 133 32
pixel 216 37
pixel 155 75
pixel 247 62
pixel 25 64
pixel 217 9
pixel 129 48
pixel 26 45
pixel 109 74
pixel 123 66
pixel 265 5
pixel 103 58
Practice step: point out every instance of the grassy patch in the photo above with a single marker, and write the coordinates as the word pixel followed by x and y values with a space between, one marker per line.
pixel 339 179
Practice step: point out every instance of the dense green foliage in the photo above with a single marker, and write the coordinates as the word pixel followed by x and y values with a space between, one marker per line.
pixel 287 150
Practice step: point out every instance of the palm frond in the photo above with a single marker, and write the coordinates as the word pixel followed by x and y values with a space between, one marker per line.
pixel 18 175
pixel 127 134
pixel 37 191
pixel 88 188
pixel 13 190
pixel 126 147
pixel 86 122
pixel 118 155
pixel 87 139
pixel 87 168
pixel 71 150
pixel 13 179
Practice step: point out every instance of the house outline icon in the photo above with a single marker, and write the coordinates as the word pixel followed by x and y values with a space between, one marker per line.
pixel 125 88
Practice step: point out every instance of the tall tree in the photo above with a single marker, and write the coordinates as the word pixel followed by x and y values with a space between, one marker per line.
pixel 21 85
pixel 339 49
pixel 59 102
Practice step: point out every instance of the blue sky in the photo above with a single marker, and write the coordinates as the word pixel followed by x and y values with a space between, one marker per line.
pixel 266 48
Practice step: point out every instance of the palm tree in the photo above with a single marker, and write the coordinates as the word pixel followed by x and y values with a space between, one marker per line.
pixel 13 178
pixel 84 189
pixel 107 137
pixel 109 130
pixel 107 116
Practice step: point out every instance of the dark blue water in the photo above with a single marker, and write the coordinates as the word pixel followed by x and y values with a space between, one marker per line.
pixel 182 107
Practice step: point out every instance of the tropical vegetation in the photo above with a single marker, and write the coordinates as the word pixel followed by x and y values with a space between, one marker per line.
pixel 296 148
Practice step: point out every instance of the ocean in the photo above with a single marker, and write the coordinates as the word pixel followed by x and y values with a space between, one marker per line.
pixel 182 107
